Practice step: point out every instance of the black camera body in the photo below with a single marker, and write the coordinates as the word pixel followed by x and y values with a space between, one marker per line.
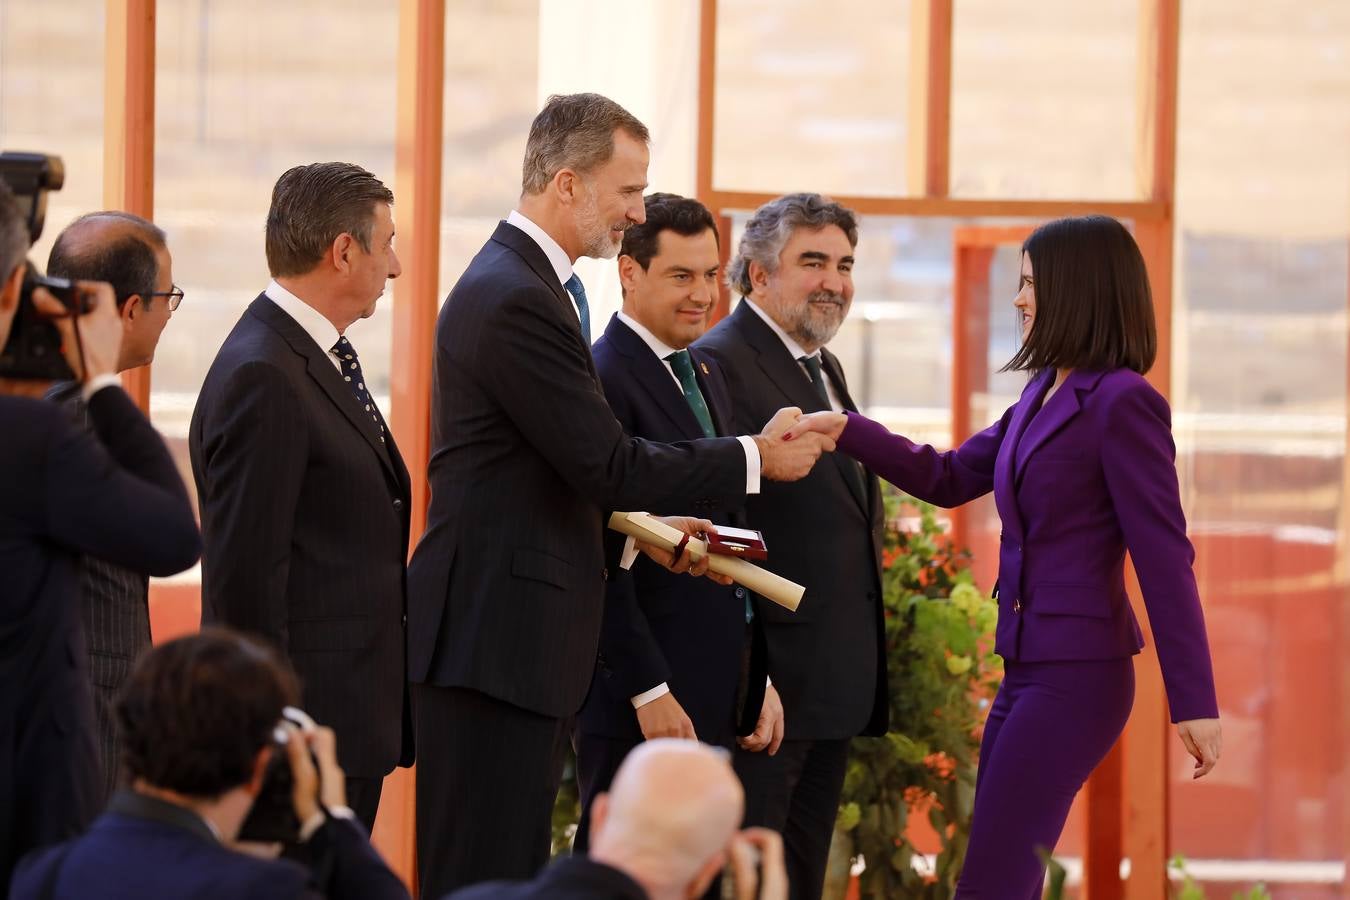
pixel 272 819
pixel 33 350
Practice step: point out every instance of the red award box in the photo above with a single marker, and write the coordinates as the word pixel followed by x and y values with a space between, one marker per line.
pixel 743 542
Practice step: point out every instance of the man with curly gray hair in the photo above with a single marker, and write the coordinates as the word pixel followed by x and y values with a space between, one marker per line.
pixel 794 272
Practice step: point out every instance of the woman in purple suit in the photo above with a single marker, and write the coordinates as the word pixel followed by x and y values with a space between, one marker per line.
pixel 1082 469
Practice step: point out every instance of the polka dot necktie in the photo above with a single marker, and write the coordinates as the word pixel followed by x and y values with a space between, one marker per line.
pixel 351 373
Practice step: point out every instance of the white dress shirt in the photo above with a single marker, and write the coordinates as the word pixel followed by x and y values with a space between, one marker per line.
pixel 314 323
pixel 795 349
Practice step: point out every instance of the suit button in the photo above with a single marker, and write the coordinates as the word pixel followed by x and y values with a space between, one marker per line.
pixel 398 505
pixel 604 573
pixel 871 596
pixel 740 593
pixel 405 620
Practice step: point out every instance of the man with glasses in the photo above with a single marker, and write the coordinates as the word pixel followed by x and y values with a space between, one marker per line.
pixel 132 255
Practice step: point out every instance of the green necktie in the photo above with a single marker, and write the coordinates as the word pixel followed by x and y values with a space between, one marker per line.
pixel 684 370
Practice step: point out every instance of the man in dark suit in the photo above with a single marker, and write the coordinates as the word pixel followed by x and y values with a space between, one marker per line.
pixel 672 649
pixel 64 493
pixel 663 833
pixel 304 497
pixel 199 720
pixel 793 270
pixel 132 255
pixel 506 588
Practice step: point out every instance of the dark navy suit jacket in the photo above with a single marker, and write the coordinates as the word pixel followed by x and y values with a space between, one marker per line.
pixel 64 492
pixel 569 878
pixel 1077 482
pixel 144 847
pixel 657 626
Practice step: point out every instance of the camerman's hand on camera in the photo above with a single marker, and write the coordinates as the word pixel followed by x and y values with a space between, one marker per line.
pixel 100 329
pixel 758 870
pixel 325 786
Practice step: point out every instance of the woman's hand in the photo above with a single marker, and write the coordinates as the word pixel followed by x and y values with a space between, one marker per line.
pixel 1204 740
pixel 830 424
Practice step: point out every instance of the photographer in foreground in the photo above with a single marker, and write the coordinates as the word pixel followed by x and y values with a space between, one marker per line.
pixel 197 723
pixel 114 494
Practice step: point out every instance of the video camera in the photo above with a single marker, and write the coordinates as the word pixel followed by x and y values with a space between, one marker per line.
pixel 33 350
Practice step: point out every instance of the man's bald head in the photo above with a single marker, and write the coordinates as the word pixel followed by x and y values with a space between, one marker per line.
pixel 673 808
pixel 118 247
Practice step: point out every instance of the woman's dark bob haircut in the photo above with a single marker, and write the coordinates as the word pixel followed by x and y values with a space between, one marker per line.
pixel 1094 309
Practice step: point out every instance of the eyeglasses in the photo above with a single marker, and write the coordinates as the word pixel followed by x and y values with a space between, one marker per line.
pixel 175 296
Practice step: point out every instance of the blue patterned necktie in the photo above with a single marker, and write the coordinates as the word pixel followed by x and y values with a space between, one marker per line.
pixel 578 293
pixel 351 373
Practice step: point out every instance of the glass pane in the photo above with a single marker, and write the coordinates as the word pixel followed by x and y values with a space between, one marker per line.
pixel 245 91
pixel 812 99
pixel 1260 373
pixel 51 99
pixel 491 96
pixel 1043 99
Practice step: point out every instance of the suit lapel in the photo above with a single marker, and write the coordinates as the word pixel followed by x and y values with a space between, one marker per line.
pixel 534 257
pixel 714 390
pixel 855 479
pixel 1004 465
pixel 654 377
pixel 773 358
pixel 320 367
pixel 1054 415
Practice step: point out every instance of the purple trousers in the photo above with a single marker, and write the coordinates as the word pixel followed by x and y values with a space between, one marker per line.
pixel 1050 725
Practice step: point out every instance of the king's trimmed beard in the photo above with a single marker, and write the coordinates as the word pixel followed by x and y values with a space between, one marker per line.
pixel 596 241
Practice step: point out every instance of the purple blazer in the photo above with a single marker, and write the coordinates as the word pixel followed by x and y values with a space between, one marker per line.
pixel 1076 483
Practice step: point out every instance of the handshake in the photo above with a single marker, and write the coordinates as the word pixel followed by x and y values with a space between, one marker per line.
pixel 791 442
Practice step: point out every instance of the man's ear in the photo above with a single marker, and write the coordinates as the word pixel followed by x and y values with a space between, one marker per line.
pixel 567 184
pixel 9 290
pixel 134 306
pixel 704 879
pixel 628 272
pixel 260 762
pixel 340 253
pixel 759 276
pixel 599 813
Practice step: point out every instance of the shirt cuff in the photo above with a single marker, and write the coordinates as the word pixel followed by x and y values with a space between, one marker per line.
pixel 315 822
pixel 646 697
pixel 630 553
pixel 752 464
pixel 98 383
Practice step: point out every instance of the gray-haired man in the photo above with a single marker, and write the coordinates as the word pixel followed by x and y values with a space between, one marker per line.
pixel 794 271
pixel 506 587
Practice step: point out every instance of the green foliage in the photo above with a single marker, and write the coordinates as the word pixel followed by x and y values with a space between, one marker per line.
pixel 1188 890
pixel 942 674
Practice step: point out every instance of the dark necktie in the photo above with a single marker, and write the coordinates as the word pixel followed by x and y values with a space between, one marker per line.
pixel 351 373
pixel 578 293
pixel 813 369
pixel 684 370
pixel 812 363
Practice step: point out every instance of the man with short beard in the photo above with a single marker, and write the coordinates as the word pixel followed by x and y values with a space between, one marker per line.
pixel 794 271
pixel 506 588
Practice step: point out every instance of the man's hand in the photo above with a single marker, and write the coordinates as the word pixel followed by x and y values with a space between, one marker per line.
pixel 685 563
pixel 327 784
pixel 768 733
pixel 762 849
pixel 1204 741
pixel 100 329
pixel 664 717
pixel 782 460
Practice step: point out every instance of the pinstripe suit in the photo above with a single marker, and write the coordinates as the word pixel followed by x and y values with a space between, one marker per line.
pixel 305 526
pixel 114 608
pixel 506 588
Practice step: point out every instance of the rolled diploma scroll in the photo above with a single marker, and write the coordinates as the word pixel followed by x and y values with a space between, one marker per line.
pixel 787 594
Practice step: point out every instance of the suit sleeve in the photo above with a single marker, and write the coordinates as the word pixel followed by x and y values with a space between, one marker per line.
pixel 1139 465
pixel 119 498
pixel 947 479
pixel 253 457
pixel 627 644
pixel 536 371
pixel 350 867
